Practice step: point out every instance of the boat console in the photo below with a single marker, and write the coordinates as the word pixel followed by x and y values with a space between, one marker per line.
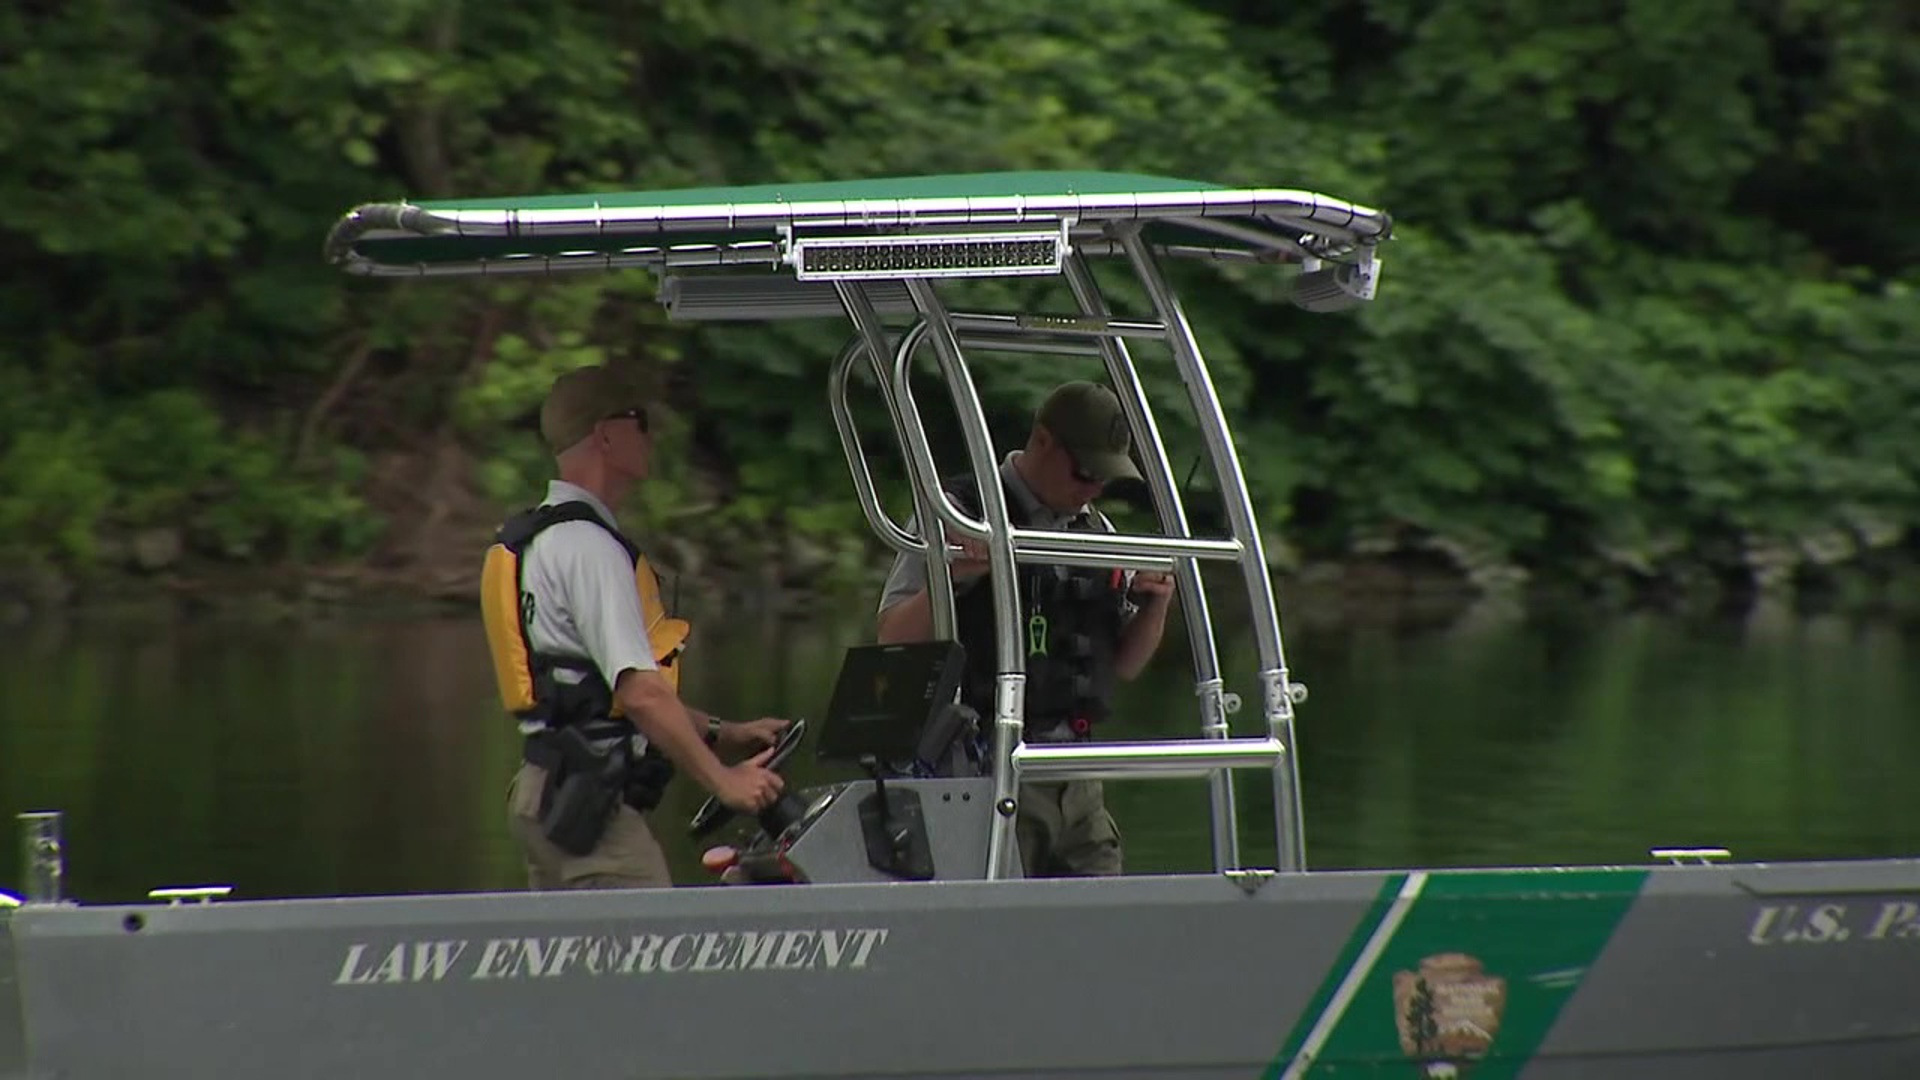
pixel 922 812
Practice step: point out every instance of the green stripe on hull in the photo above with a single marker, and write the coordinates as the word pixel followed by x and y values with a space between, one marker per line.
pixel 1349 955
pixel 1469 978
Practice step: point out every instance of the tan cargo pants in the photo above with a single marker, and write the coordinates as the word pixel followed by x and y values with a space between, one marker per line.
pixel 1066 831
pixel 627 856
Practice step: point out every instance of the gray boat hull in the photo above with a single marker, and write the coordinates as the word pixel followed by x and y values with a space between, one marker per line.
pixel 1744 970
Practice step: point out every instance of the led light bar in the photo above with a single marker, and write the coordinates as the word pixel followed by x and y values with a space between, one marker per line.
pixel 762 297
pixel 949 255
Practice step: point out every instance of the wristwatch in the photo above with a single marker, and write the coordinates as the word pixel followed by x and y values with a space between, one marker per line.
pixel 713 731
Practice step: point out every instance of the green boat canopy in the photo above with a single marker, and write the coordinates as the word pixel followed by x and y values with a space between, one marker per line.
pixel 762 225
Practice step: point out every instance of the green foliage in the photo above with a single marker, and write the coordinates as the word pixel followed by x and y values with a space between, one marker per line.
pixel 1650 304
pixel 167 460
pixel 55 494
pixel 1630 313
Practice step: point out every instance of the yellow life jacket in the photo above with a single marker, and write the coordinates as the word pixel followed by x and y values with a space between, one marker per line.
pixel 521 675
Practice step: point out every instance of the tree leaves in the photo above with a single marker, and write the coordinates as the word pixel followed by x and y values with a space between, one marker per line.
pixel 1645 301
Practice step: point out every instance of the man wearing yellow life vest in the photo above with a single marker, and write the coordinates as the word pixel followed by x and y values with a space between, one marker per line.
pixel 586 658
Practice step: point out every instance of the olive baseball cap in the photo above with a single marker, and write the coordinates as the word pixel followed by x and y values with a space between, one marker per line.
pixel 1087 420
pixel 583 397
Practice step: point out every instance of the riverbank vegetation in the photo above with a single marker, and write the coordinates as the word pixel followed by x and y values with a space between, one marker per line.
pixel 1649 320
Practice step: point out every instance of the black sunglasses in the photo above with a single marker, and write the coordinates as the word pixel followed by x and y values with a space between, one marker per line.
pixel 637 414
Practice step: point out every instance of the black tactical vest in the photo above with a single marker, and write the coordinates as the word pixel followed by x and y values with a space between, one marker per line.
pixel 1070 622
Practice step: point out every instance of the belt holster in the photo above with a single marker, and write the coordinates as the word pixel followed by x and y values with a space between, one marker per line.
pixel 583 787
pixel 647 778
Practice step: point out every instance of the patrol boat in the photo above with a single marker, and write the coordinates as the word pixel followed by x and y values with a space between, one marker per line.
pixel 881 928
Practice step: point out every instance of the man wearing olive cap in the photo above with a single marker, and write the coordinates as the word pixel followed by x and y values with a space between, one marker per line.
pixel 586 655
pixel 1082 628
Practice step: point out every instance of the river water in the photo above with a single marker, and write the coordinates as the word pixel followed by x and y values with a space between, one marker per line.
pixel 361 755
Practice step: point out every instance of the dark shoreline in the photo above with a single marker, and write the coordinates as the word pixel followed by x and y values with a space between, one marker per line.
pixel 1367 589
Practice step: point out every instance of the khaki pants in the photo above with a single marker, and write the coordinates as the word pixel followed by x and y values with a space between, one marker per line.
pixel 1066 831
pixel 627 856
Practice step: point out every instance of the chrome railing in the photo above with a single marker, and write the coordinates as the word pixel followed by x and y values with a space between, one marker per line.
pixel 1091 331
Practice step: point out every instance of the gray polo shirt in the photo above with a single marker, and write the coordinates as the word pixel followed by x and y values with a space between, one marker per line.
pixel 909 573
pixel 584 601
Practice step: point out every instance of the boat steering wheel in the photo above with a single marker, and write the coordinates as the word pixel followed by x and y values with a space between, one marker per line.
pixel 713 813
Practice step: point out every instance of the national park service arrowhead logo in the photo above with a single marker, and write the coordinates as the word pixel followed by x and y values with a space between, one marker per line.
pixel 1448 1012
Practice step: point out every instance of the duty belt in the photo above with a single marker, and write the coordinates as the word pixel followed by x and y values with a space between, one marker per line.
pixel 539 747
pixel 1076 729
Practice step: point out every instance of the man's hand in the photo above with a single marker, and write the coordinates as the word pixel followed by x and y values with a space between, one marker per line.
pixel 970 563
pixel 750 734
pixel 1151 586
pixel 750 786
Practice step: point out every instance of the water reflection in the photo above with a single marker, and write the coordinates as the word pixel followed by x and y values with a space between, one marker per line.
pixel 369 756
